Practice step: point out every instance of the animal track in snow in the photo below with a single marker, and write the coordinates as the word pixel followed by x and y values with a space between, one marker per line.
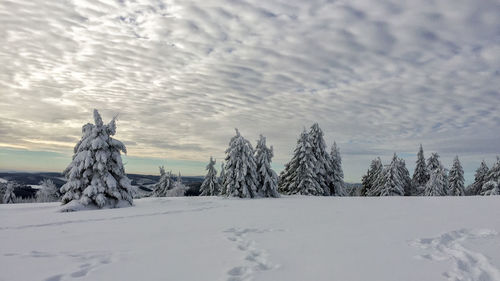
pixel 467 264
pixel 88 261
pixel 255 259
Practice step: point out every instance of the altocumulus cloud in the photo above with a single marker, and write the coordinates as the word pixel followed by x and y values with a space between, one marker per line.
pixel 379 76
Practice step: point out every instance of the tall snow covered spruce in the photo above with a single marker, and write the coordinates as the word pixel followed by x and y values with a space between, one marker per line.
pixel 420 175
pixel 241 168
pixel 299 175
pixel 438 182
pixel 368 180
pixel 479 180
pixel 164 184
pixel 437 185
pixel 456 179
pixel 96 175
pixel 336 173
pixel 392 181
pixel 492 180
pixel 210 186
pixel 268 180
pixel 405 177
pixel 322 169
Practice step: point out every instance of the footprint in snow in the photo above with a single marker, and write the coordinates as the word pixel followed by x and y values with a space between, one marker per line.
pixel 255 259
pixel 467 264
pixel 88 261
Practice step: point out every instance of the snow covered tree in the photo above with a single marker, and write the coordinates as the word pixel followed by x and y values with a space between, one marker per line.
pixel 404 175
pixel 390 182
pixel 438 182
pixel 437 185
pixel 336 173
pixel 433 162
pixel 368 180
pixel 164 184
pixel 47 192
pixel 178 180
pixel 3 188
pixel 268 180
pixel 323 169
pixel 492 180
pixel 456 179
pixel 178 190
pixel 479 179
pixel 9 196
pixel 491 188
pixel 299 176
pixel 175 188
pixel 96 175
pixel 222 178
pixel 241 168
pixel 420 175
pixel 210 186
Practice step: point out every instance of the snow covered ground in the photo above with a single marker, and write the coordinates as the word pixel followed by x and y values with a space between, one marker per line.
pixel 291 238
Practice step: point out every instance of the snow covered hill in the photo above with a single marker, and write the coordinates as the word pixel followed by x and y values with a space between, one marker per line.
pixel 291 238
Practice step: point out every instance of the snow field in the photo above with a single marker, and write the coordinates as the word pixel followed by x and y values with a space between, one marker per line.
pixel 290 238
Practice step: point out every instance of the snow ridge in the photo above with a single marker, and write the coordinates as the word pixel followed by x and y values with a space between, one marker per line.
pixel 467 264
pixel 59 223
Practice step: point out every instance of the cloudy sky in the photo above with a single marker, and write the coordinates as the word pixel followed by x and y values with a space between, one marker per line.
pixel 378 76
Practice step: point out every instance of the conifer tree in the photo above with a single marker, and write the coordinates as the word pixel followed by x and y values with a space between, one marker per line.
pixel 492 180
pixel 241 168
pixel 456 179
pixel 437 185
pixel 3 188
pixel 390 182
pixel 222 179
pixel 299 176
pixel 433 163
pixel 336 172
pixel 438 182
pixel 479 179
pixel 178 180
pixel 96 175
pixel 404 175
pixel 368 180
pixel 48 191
pixel 491 188
pixel 268 180
pixel 9 195
pixel 164 184
pixel 420 175
pixel 307 177
pixel 286 179
pixel 322 169
pixel 210 186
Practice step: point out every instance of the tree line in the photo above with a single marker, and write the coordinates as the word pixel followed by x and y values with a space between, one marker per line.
pixel 430 178
pixel 96 175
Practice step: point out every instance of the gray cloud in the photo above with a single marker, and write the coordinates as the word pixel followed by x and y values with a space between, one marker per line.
pixel 379 76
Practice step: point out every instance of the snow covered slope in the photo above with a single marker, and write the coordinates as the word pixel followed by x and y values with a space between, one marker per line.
pixel 291 238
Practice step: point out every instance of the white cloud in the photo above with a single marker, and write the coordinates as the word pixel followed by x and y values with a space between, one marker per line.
pixel 378 75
